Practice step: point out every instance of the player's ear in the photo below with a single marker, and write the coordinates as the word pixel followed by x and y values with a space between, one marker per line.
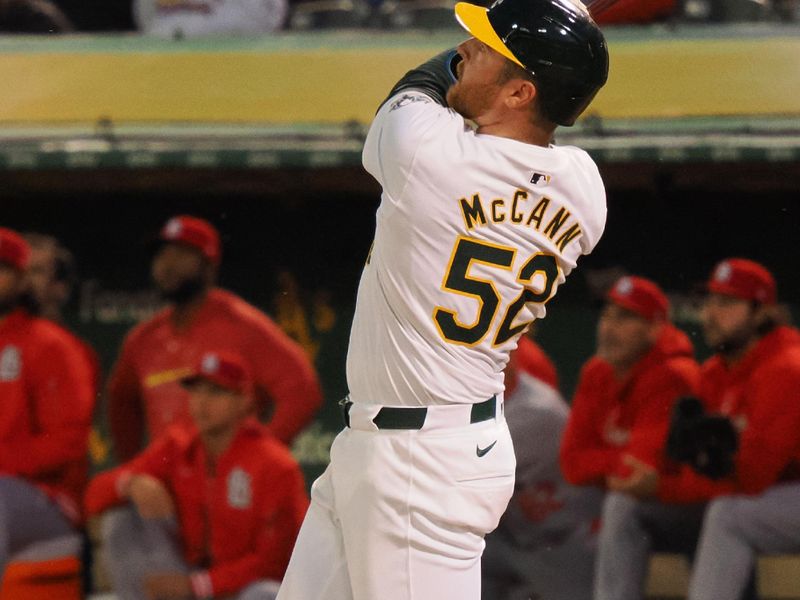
pixel 521 93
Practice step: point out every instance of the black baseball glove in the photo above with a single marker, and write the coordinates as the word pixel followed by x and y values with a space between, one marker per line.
pixel 705 442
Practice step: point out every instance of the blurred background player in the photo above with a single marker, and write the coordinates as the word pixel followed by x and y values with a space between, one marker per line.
pixel 217 504
pixel 47 393
pixel 145 395
pixel 193 18
pixel 51 278
pixel 753 381
pixel 620 416
pixel 549 528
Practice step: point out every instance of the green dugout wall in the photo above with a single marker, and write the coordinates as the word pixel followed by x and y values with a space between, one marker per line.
pixel 102 139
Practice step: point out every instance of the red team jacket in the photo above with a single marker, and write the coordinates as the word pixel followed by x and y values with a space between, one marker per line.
pixel 761 395
pixel 47 391
pixel 144 388
pixel 610 418
pixel 240 522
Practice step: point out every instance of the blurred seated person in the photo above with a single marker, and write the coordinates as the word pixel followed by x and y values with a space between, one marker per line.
pixel 51 278
pixel 211 509
pixel 194 18
pixel 620 417
pixel 144 391
pixel 549 528
pixel 32 16
pixel 46 403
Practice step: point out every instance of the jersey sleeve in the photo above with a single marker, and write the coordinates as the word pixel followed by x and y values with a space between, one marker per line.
pixel 768 443
pixel 403 125
pixel 283 504
pixel 125 404
pixel 61 392
pixel 285 376
pixel 155 460
pixel 657 392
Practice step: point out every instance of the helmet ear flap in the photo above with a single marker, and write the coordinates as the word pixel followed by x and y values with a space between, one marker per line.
pixel 561 46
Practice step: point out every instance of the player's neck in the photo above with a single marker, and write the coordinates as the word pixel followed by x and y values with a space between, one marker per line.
pixel 525 131
pixel 183 312
pixel 217 442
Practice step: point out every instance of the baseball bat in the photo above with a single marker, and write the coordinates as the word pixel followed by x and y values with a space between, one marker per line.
pixel 598 7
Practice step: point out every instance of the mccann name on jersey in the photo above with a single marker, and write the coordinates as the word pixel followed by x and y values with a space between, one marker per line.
pixel 539 214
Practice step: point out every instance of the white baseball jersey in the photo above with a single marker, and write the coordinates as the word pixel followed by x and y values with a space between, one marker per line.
pixel 474 234
pixel 191 18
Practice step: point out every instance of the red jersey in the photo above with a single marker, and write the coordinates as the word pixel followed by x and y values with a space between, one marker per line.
pixel 611 417
pixel 761 395
pixel 240 522
pixel 532 360
pixel 46 405
pixel 145 391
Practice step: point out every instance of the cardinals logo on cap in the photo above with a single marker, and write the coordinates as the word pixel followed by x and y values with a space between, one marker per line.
pixel 210 364
pixel 173 229
pixel 723 273
pixel 624 286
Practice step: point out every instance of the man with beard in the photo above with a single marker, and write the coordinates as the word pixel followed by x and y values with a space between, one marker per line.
pixel 753 381
pixel 477 227
pixel 46 402
pixel 145 395
pixel 620 417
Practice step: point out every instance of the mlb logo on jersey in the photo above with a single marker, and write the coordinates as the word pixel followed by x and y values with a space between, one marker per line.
pixel 10 363
pixel 240 493
pixel 540 179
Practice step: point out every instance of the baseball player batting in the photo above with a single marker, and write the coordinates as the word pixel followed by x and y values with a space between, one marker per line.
pixel 481 219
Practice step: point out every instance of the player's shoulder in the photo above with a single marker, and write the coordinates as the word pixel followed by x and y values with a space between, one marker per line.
pixel 140 332
pixel 46 333
pixel 596 369
pixel 227 305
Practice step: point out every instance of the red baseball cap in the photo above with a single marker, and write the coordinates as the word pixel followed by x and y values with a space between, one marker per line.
pixel 745 279
pixel 226 369
pixel 641 296
pixel 14 250
pixel 194 232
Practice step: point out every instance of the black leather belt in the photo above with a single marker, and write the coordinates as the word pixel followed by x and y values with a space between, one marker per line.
pixel 413 417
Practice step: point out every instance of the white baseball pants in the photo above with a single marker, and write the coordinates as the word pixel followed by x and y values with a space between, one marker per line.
pixel 401 514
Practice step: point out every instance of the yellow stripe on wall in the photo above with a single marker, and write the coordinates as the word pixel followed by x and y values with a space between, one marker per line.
pixel 648 79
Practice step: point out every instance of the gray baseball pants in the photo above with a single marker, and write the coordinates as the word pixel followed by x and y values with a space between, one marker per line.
pixel 134 547
pixel 736 530
pixel 27 516
pixel 631 529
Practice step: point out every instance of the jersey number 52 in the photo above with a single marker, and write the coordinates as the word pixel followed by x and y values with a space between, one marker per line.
pixel 458 281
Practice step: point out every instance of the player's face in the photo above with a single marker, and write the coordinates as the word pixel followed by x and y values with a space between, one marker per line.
pixel 479 80
pixel 215 410
pixel 11 284
pixel 41 274
pixel 728 323
pixel 178 270
pixel 623 336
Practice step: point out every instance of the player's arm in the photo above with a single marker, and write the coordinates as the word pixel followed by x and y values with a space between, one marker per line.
pixel 585 458
pixel 285 375
pixel 659 390
pixel 768 443
pixel 125 407
pixel 61 400
pixel 110 488
pixel 433 78
pixel 412 118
